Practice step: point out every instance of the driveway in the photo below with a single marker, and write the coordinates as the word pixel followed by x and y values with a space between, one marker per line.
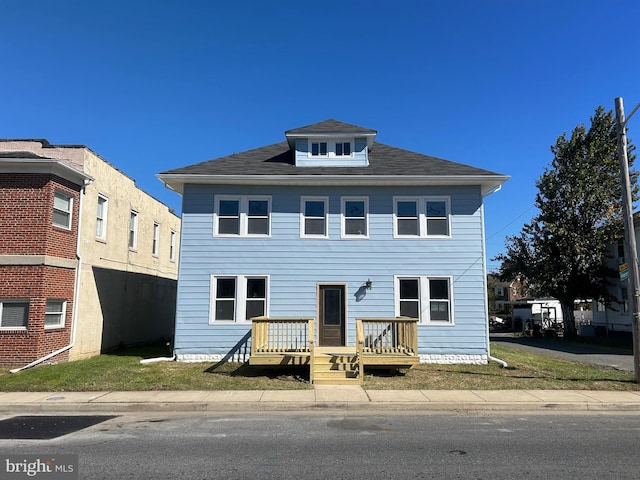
pixel 610 357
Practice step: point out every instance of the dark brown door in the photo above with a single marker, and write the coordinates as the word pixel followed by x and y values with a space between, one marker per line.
pixel 331 314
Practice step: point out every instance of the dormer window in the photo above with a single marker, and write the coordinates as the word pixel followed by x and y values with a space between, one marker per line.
pixel 343 148
pixel 331 149
pixel 319 149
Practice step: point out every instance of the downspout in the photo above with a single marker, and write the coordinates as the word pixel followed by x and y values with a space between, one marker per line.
pixel 76 295
pixel 486 299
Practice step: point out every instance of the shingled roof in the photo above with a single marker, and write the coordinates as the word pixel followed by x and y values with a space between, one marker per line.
pixel 328 127
pixel 274 164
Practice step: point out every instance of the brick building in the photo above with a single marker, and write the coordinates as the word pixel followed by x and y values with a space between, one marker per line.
pixel 88 261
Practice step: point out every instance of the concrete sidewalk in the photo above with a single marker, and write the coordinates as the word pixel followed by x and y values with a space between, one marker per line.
pixel 321 398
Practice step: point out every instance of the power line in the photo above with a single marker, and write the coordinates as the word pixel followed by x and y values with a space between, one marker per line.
pixel 510 223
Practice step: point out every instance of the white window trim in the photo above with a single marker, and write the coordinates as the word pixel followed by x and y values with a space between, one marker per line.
pixel 240 299
pixel 172 246
pixel 135 230
pixel 105 216
pixel 343 218
pixel 69 212
pixel 155 243
pixel 243 212
pixel 331 147
pixel 14 300
pixel 63 315
pixel 422 216
pixel 424 298
pixel 303 200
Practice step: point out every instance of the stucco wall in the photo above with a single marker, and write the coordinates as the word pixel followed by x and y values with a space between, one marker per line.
pixel 128 295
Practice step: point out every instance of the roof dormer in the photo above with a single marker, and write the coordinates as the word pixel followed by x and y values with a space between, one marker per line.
pixel 331 144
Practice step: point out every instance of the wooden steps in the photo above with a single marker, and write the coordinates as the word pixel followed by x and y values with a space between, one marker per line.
pixel 335 366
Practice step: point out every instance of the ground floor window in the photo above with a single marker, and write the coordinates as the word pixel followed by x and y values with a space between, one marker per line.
pixel 238 298
pixel 424 297
pixel 55 313
pixel 14 314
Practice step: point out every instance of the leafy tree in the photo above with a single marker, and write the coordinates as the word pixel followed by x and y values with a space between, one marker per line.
pixel 563 250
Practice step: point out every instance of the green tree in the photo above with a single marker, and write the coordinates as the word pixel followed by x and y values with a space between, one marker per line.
pixel 563 250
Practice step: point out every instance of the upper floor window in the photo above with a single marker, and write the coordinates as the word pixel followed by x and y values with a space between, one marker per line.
pixel 314 217
pixel 238 298
pixel 101 218
pixel 331 149
pixel 133 230
pixel 421 217
pixel 425 298
pixel 62 208
pixel 55 313
pixel 156 239
pixel 318 148
pixel 406 223
pixel 355 217
pixel 499 291
pixel 242 216
pixel 172 246
pixel 343 148
pixel 14 314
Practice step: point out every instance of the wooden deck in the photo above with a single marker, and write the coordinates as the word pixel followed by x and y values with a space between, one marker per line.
pixel 380 343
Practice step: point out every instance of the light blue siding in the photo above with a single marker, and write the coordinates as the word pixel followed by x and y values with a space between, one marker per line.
pixel 295 266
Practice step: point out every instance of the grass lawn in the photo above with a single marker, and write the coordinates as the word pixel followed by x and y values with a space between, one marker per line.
pixel 122 371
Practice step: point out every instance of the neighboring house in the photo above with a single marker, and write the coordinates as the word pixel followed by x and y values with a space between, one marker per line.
pixel 503 293
pixel 332 227
pixel 88 261
pixel 615 317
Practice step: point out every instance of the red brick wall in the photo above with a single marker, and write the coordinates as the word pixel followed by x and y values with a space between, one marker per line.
pixel 36 284
pixel 26 214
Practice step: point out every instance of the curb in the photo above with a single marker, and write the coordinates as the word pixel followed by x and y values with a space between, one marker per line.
pixel 319 407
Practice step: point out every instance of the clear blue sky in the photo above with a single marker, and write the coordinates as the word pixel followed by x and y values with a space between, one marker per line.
pixel 156 85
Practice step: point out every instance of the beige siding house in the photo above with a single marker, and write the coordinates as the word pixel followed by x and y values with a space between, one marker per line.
pixel 127 255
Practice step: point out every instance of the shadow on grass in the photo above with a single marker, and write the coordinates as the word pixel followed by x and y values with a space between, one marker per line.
pixel 294 374
pixel 160 349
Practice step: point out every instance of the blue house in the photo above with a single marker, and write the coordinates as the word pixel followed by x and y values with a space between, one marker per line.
pixel 333 250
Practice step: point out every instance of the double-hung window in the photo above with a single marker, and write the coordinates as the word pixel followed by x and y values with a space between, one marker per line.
pixel 156 239
pixel 172 246
pixel 133 230
pixel 425 298
pixel 421 217
pixel 314 219
pixel 238 298
pixel 242 216
pixel 407 223
pixel 14 314
pixel 101 218
pixel 55 313
pixel 437 218
pixel 355 217
pixel 62 208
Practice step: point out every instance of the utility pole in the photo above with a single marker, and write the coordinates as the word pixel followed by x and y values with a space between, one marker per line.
pixel 630 247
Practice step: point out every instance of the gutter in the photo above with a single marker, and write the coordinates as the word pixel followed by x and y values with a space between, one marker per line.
pixel 76 295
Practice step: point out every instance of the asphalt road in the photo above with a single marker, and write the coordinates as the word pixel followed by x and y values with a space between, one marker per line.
pixel 609 357
pixel 324 445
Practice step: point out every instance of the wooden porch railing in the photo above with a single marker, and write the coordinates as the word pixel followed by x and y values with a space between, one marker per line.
pixel 281 335
pixel 385 336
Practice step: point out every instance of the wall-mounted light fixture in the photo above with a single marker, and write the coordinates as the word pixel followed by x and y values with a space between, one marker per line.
pixel 368 284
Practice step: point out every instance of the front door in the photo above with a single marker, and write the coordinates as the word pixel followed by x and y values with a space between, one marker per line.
pixel 331 315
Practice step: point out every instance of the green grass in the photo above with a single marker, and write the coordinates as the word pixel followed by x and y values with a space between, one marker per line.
pixel 122 371
pixel 526 371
